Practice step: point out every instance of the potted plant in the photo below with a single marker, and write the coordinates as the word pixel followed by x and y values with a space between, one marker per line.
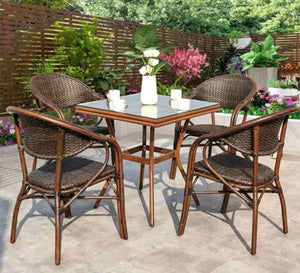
pixel 263 61
pixel 284 88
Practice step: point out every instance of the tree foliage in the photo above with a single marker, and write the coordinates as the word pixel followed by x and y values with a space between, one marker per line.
pixel 215 17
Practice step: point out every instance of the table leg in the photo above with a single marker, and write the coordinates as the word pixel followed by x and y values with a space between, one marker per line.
pixel 177 153
pixel 151 177
pixel 174 162
pixel 111 130
pixel 143 155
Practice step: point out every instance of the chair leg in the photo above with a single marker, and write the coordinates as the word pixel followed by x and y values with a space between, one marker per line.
pixel 14 222
pixel 97 203
pixel 174 162
pixel 283 207
pixel 196 200
pixel 185 210
pixel 225 200
pixel 68 212
pixel 57 230
pixel 210 150
pixel 15 216
pixel 254 221
pixel 121 210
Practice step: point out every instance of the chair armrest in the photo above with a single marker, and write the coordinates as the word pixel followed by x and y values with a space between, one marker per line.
pixel 243 130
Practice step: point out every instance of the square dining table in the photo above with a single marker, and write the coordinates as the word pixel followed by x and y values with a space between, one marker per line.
pixel 152 116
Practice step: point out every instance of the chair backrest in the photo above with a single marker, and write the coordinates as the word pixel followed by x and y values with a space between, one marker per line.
pixel 60 90
pixel 50 138
pixel 271 133
pixel 227 90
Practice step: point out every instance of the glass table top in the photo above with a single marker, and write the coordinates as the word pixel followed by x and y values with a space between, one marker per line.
pixel 158 111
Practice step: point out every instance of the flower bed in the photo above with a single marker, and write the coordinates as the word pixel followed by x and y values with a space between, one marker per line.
pixel 263 103
pixel 7 128
pixel 7 132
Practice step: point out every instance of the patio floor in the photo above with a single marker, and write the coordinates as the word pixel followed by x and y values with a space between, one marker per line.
pixel 212 242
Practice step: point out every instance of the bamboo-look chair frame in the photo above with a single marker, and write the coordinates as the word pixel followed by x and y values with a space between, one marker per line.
pixel 65 92
pixel 221 96
pixel 29 191
pixel 55 99
pixel 242 191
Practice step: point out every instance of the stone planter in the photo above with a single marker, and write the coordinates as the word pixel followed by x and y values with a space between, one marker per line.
pixel 261 75
pixel 284 92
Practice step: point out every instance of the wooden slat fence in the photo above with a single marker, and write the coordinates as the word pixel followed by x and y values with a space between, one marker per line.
pixel 27 36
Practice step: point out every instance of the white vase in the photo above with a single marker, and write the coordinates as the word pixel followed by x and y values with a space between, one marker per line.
pixel 149 90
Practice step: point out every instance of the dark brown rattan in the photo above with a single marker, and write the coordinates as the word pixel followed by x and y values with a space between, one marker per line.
pixel 235 169
pixel 58 92
pixel 65 176
pixel 231 92
pixel 239 175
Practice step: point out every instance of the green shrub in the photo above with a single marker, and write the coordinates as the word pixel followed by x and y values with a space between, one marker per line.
pixel 80 51
pixel 289 83
pixel 109 79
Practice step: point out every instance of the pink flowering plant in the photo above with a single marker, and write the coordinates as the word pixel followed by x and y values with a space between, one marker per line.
pixel 261 97
pixel 278 103
pixel 263 103
pixel 186 64
pixel 7 132
pixel 81 119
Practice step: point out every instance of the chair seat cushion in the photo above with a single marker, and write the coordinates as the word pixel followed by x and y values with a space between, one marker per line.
pixel 76 171
pixel 202 129
pixel 98 129
pixel 235 169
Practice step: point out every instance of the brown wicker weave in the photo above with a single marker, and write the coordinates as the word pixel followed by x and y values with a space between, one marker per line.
pixel 65 176
pixel 58 91
pixel 239 175
pixel 231 92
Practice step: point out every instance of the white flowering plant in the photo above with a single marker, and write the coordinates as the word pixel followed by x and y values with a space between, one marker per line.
pixel 151 63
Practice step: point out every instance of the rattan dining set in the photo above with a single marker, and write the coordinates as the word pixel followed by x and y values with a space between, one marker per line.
pixel 66 175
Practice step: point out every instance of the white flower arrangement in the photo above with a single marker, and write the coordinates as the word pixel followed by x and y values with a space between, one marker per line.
pixel 151 53
pixel 151 63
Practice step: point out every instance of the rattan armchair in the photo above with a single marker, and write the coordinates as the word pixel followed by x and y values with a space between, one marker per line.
pixel 58 92
pixel 65 176
pixel 243 176
pixel 231 92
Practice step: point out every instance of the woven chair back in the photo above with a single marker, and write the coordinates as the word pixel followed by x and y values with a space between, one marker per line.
pixel 41 137
pixel 227 90
pixel 60 90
